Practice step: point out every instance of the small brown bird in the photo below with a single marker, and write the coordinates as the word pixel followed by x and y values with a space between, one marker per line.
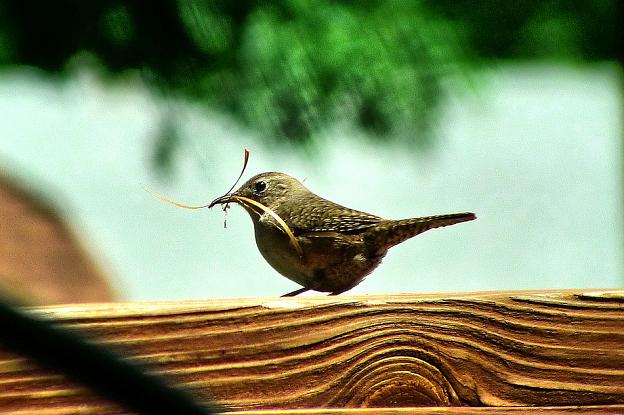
pixel 317 243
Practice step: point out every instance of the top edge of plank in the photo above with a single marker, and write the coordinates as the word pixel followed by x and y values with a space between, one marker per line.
pixel 148 308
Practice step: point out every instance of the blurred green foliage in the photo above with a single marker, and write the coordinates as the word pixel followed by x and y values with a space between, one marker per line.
pixel 288 68
pixel 585 30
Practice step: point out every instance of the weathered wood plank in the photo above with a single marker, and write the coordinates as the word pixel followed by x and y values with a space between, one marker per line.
pixel 561 410
pixel 482 349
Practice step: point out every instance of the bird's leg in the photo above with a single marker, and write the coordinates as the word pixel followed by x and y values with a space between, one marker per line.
pixel 296 292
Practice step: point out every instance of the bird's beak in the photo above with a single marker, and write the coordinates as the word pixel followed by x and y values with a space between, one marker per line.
pixel 222 200
pixel 249 205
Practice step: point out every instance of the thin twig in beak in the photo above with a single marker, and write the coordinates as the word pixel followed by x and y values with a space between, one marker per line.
pixel 175 203
pixel 225 199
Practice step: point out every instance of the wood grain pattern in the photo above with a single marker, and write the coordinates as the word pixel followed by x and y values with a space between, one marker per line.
pixel 514 349
pixel 561 410
pixel 450 410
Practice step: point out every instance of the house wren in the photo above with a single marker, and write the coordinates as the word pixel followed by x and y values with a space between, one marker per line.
pixel 334 247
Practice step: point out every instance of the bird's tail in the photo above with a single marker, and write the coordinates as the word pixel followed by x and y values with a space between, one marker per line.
pixel 398 231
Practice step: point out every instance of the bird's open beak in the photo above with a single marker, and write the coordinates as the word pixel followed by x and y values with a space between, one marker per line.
pixel 222 200
pixel 249 205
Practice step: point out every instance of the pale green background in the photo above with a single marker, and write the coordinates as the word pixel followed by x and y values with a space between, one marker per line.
pixel 533 150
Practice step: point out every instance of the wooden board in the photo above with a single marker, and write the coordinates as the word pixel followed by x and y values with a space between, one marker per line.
pixel 511 349
pixel 450 410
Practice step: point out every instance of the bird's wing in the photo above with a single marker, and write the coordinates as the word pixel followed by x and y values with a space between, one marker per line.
pixel 321 215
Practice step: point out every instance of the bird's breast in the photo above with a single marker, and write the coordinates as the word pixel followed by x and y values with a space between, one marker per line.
pixel 276 248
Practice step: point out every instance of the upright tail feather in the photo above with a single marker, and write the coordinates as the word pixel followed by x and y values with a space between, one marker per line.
pixel 397 231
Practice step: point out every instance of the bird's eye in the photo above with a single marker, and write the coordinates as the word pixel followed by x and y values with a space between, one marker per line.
pixel 260 187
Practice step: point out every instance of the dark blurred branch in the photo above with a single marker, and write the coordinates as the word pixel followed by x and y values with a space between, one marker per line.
pixel 93 366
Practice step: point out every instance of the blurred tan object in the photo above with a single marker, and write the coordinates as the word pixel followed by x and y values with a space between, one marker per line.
pixel 41 260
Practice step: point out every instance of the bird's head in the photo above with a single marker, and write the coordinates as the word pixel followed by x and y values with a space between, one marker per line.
pixel 269 189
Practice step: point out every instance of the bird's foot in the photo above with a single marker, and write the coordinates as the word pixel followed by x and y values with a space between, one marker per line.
pixel 296 292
